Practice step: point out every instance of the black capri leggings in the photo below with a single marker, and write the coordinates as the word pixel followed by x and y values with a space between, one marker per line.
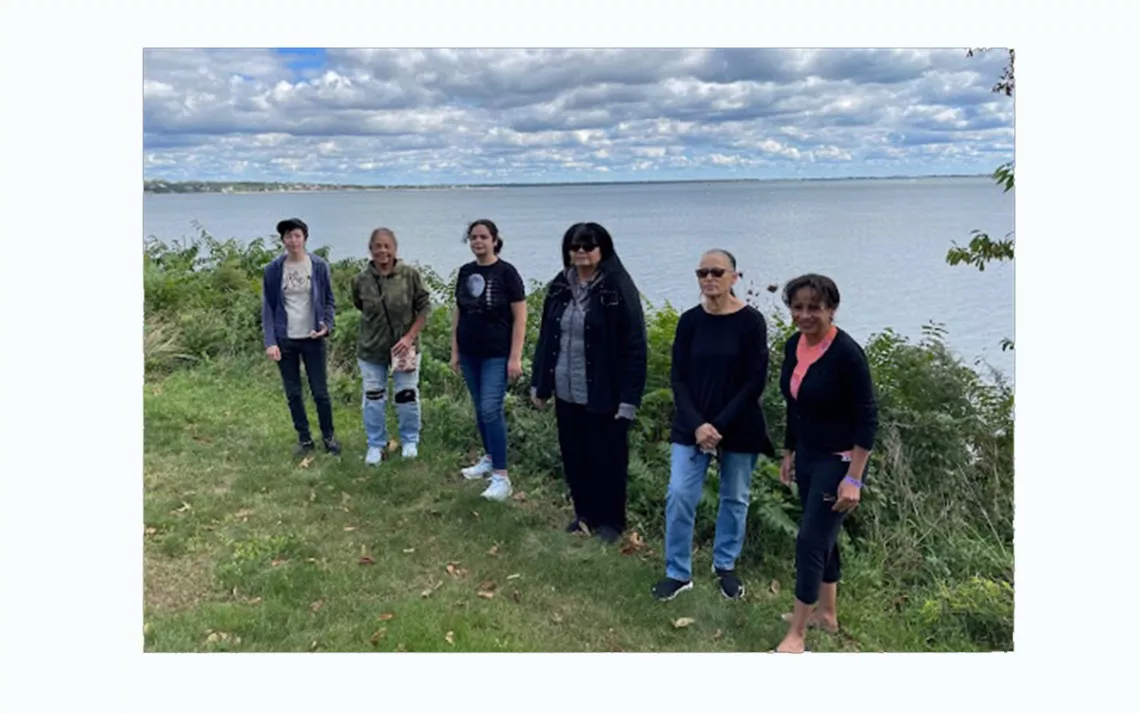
pixel 817 550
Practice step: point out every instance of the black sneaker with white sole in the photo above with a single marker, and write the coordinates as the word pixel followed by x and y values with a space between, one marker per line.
pixel 303 448
pixel 668 588
pixel 730 585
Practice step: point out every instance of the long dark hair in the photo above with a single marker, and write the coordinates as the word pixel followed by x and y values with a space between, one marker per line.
pixel 491 228
pixel 587 232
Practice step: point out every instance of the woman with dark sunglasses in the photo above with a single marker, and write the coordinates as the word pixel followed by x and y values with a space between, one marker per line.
pixel 832 422
pixel 591 356
pixel 720 368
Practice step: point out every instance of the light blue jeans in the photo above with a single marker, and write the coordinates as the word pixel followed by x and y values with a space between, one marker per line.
pixel 686 484
pixel 406 394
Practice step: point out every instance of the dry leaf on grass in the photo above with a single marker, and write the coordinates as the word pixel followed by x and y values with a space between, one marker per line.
pixel 255 601
pixel 516 596
pixel 349 528
pixel 410 550
pixel 367 559
pixel 316 606
pixel 305 462
pixel 185 508
pixel 683 622
pixel 393 446
pixel 520 496
pixel 146 628
pixel 313 646
pixel 386 616
pixel 774 587
pixel 717 634
pixel 556 618
pixel 377 636
pixel 487 589
pixel 450 637
pixel 215 637
pixel 513 576
pixel 475 513
pixel 455 570
pixel 278 562
pixel 151 531
pixel 494 551
pixel 632 543
pixel 312 496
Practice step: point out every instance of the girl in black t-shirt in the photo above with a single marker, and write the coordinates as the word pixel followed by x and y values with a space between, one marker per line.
pixel 487 332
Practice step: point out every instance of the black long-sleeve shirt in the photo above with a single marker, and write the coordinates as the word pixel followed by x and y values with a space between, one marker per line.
pixel 835 409
pixel 720 368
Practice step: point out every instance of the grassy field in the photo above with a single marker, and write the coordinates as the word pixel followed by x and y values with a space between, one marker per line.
pixel 247 549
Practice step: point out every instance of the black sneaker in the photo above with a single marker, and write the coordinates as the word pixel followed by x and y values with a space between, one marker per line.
pixel 607 534
pixel 668 588
pixel 303 448
pixel 576 526
pixel 730 586
pixel 332 446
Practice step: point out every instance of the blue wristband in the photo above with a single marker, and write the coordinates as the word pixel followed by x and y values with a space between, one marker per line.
pixel 856 483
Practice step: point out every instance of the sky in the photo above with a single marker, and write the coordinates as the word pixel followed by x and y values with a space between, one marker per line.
pixel 446 116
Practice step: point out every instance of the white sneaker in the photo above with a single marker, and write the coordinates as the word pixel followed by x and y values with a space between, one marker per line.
pixel 499 489
pixel 410 450
pixel 374 456
pixel 479 470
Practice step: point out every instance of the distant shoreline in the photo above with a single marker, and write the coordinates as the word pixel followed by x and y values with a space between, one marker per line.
pixel 161 187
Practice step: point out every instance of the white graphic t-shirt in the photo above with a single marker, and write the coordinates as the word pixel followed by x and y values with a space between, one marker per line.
pixel 297 286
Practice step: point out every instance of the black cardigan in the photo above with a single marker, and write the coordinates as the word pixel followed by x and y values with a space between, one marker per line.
pixel 615 339
pixel 836 408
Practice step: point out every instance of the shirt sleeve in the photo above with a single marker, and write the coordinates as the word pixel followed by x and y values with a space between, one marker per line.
pixel 688 418
pixel 755 356
pixel 790 412
pixel 863 398
pixel 516 290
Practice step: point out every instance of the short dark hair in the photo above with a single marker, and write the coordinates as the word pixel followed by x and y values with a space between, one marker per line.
pixel 290 224
pixel 727 254
pixel 491 228
pixel 823 286
pixel 587 232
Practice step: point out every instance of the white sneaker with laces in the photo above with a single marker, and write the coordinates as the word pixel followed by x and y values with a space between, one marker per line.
pixel 479 470
pixel 499 489
pixel 374 456
pixel 410 450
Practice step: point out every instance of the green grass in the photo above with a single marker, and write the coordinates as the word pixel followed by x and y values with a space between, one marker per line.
pixel 245 550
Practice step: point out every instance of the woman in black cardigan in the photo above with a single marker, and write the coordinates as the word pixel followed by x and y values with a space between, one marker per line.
pixel 832 420
pixel 591 356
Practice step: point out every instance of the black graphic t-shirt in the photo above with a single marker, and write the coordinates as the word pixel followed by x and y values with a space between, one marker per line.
pixel 484 294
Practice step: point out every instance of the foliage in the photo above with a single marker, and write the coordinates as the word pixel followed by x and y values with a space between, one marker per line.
pixel 937 513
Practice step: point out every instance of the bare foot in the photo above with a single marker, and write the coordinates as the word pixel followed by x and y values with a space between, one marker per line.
pixel 791 644
pixel 816 620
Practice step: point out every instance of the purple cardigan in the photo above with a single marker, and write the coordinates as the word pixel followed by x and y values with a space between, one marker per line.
pixel 274 322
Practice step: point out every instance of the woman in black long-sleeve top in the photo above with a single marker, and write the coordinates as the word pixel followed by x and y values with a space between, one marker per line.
pixel 591 356
pixel 832 420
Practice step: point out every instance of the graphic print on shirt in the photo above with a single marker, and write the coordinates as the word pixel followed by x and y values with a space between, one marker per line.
pixel 297 279
pixel 476 284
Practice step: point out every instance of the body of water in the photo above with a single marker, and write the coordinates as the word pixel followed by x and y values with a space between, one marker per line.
pixel 883 241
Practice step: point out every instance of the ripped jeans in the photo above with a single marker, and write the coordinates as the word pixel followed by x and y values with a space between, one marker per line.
pixel 406 394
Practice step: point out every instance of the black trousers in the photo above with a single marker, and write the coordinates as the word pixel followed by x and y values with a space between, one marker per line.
pixel 595 459
pixel 817 550
pixel 312 353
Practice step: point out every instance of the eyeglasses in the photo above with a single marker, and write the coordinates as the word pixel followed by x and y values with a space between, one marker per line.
pixel 584 247
pixel 703 272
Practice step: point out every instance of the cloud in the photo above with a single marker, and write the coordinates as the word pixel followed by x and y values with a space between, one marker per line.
pixel 423 116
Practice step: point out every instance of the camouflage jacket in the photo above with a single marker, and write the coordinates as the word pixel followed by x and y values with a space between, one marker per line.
pixel 399 296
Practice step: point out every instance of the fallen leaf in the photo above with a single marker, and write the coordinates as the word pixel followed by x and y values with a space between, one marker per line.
pixel 513 576
pixel 516 596
pixel 316 606
pixel 450 637
pixel 367 559
pixel 633 542
pixel 305 462
pixel 277 562
pixel 475 513
pixel 556 618
pixel 393 445
pixel 146 628
pixel 683 622
pixel 313 560
pixel 185 508
pixel 312 496
pixel 486 595
pixel 243 514
pixel 487 589
pixel 717 634
pixel 255 601
pixel 377 636
pixel 410 550
pixel 455 570
pixel 519 496
pixel 216 636
pixel 774 587
pixel 313 646
pixel 386 616
pixel 494 551
pixel 400 646
pixel 349 528
pixel 152 531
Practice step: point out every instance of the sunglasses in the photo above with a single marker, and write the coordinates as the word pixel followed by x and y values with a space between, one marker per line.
pixel 703 272
pixel 584 247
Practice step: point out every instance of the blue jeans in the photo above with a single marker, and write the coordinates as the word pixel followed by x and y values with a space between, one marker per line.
pixel 686 484
pixel 405 385
pixel 487 381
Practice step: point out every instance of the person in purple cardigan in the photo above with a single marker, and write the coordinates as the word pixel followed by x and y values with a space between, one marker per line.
pixel 297 312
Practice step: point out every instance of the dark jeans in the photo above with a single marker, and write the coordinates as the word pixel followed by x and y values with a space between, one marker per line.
pixel 312 352
pixel 486 379
pixel 595 458
pixel 817 550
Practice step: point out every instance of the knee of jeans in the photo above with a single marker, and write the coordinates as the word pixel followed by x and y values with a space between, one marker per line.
pixel 490 412
pixel 374 394
pixel 405 396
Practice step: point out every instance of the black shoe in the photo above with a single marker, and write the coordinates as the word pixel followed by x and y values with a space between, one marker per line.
pixel 577 525
pixel 730 586
pixel 303 448
pixel 668 588
pixel 332 446
pixel 607 534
